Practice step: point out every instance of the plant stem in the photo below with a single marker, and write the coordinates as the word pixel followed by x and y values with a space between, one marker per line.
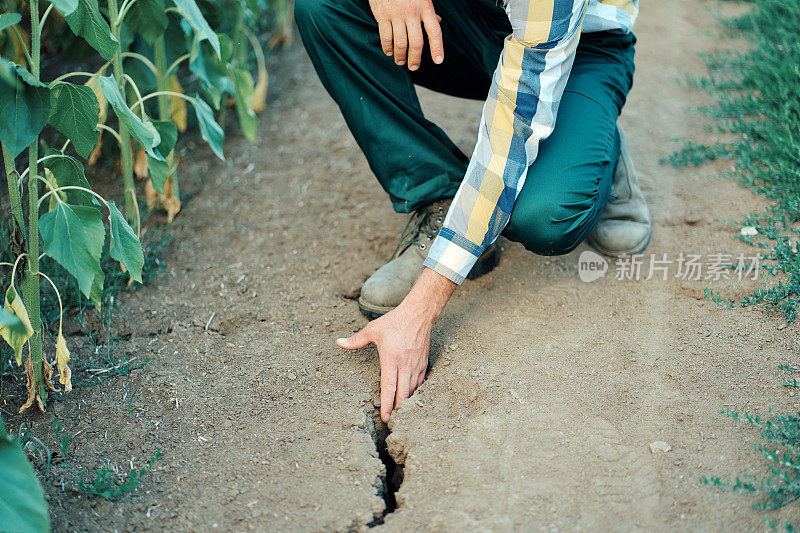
pixel 162 83
pixel 31 281
pixel 13 190
pixel 125 145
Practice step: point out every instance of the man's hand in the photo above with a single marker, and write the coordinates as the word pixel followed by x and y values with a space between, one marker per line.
pixel 403 338
pixel 400 25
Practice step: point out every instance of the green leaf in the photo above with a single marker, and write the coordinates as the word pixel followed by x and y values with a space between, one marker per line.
pixel 65 7
pixel 143 131
pixel 212 69
pixel 210 130
pixel 159 170
pixel 73 112
pixel 168 134
pixel 244 87
pixel 124 246
pixel 96 295
pixel 73 235
pixel 9 19
pixel 87 22
pixel 68 171
pixel 22 504
pixel 12 322
pixel 147 18
pixel 24 107
pixel 195 18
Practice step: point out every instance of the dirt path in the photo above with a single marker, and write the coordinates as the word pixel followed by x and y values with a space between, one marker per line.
pixel 545 391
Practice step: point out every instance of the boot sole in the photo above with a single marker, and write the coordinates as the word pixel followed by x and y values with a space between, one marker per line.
pixel 483 267
pixel 642 246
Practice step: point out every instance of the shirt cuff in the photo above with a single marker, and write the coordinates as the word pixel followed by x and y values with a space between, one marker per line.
pixel 452 256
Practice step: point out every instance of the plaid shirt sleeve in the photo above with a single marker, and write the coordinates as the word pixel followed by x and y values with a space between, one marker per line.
pixel 520 111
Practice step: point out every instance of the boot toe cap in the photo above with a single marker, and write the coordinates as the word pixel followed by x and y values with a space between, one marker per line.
pixel 620 237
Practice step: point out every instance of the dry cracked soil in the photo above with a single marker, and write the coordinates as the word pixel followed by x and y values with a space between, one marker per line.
pixel 544 392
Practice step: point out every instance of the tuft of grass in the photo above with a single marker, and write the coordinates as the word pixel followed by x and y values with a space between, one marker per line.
pixel 781 449
pixel 757 108
pixel 63 440
pixel 790 382
pixel 111 484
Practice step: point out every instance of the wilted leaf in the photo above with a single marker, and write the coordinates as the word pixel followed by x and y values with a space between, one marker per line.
pixel 51 180
pixel 283 38
pixel 47 375
pixel 87 22
pixel 244 89
pixel 140 164
pixel 150 195
pixel 24 107
pixel 259 100
pixel 74 111
pixel 62 358
pixel 195 18
pixel 96 152
pixel 73 235
pixel 32 387
pixel 144 132
pixel 94 85
pixel 168 200
pixel 177 105
pixel 124 246
pixel 12 335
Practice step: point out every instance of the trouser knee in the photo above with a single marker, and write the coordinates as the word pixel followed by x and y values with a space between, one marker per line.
pixel 549 230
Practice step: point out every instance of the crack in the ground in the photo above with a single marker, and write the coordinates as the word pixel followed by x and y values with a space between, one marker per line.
pixel 392 477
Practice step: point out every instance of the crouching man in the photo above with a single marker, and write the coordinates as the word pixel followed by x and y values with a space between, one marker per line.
pixel 550 167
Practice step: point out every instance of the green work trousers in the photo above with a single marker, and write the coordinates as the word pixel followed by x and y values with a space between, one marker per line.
pixel 568 184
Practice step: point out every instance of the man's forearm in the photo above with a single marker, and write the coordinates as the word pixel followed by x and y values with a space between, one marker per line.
pixel 429 295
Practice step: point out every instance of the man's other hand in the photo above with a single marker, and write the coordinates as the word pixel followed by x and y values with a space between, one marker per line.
pixel 400 24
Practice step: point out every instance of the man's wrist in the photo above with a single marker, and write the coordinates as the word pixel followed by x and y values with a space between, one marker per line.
pixel 429 295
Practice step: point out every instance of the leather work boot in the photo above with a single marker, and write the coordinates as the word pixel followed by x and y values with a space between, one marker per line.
pixel 387 287
pixel 624 227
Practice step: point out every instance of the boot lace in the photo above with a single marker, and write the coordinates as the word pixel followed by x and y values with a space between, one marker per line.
pixel 425 222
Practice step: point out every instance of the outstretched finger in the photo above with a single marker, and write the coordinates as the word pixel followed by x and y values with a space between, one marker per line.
pixel 431 21
pixel 388 389
pixel 356 341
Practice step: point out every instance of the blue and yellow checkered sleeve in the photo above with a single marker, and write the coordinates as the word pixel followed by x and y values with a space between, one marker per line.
pixel 520 111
